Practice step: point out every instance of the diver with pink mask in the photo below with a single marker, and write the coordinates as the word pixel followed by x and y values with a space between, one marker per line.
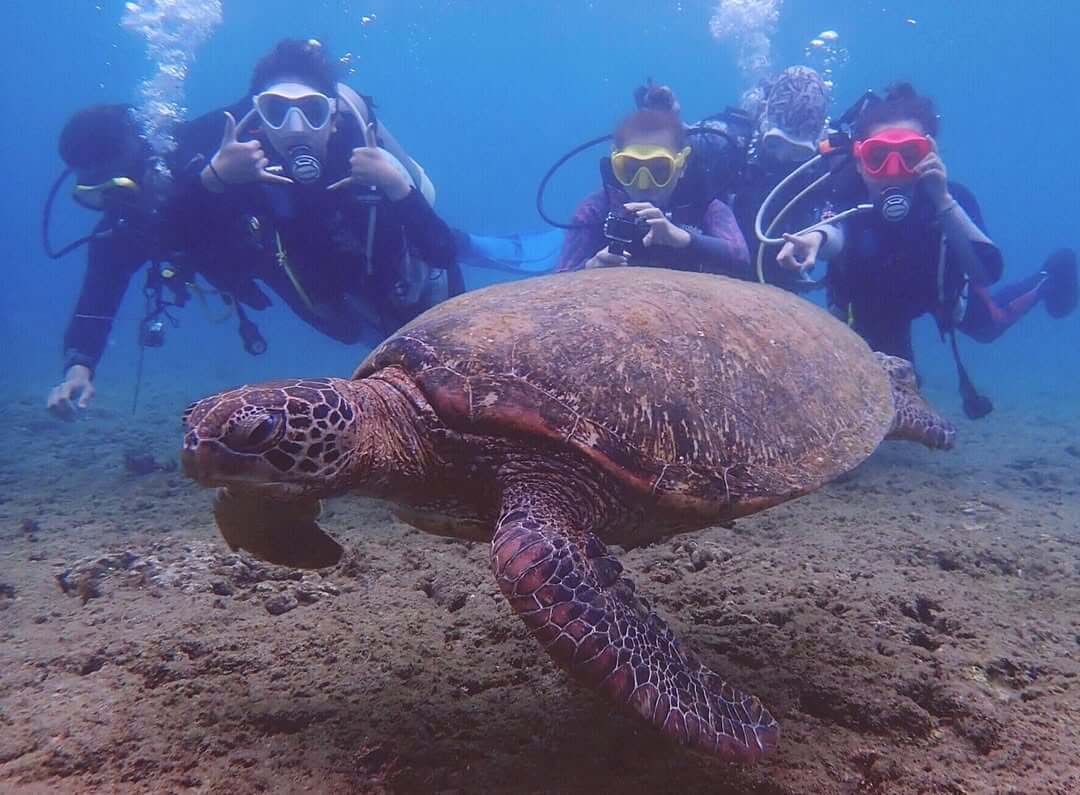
pixel 918 245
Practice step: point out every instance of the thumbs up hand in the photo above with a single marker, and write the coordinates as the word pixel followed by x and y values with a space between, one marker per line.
pixel 238 162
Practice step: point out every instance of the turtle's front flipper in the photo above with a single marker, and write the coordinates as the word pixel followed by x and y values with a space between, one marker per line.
pixel 567 588
pixel 283 532
pixel 915 420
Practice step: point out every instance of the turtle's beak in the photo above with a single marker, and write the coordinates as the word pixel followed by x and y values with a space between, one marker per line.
pixel 210 463
pixel 197 461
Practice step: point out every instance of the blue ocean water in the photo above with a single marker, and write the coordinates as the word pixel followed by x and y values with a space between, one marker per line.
pixel 487 94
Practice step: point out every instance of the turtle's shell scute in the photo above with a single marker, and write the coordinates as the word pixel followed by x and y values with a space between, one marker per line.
pixel 697 389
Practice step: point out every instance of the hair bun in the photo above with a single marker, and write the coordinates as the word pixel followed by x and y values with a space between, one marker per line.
pixel 900 91
pixel 660 98
pixel 650 96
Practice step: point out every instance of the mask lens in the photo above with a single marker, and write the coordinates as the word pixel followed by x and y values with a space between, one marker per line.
pixel 906 149
pixel 773 145
pixel 316 108
pixel 626 167
pixel 778 149
pixel 273 108
pixel 660 168
pixel 874 154
pixel 913 152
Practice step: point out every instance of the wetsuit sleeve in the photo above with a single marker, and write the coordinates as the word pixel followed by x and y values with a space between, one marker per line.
pixel 426 231
pixel 719 248
pixel 110 265
pixel 587 236
pixel 988 253
pixel 191 209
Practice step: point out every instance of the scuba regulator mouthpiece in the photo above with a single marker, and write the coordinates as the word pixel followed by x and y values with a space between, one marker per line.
pixel 304 165
pixel 894 204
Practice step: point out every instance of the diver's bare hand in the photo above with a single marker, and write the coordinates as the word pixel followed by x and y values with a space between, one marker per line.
pixel 238 162
pixel 369 166
pixel 934 177
pixel 605 259
pixel 662 232
pixel 800 251
pixel 73 393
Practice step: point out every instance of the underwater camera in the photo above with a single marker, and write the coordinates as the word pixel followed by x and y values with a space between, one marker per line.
pixel 624 232
pixel 254 342
pixel 152 332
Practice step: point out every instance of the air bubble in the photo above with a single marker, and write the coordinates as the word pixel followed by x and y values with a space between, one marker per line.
pixel 173 31
pixel 748 25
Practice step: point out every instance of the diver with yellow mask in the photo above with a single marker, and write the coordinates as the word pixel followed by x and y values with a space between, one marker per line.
pixel 635 219
pixel 115 175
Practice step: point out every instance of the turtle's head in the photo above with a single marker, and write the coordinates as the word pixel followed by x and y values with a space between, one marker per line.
pixel 290 437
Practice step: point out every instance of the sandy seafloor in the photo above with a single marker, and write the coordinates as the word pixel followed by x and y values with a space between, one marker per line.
pixel 915 627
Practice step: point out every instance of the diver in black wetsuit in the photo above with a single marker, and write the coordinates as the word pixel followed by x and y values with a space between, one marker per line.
pixel 922 248
pixel 321 205
pixel 314 206
pixel 117 175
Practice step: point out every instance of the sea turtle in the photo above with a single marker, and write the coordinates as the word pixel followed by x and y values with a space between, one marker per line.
pixel 553 416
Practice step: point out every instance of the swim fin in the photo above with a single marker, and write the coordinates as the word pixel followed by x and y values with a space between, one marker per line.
pixel 1059 289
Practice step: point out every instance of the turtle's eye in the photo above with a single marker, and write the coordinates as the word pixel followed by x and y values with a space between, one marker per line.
pixel 257 433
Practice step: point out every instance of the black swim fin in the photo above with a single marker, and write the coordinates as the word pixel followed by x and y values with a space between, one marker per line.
pixel 1059 289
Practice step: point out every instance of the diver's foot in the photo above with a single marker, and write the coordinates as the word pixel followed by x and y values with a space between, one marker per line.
pixel 1059 289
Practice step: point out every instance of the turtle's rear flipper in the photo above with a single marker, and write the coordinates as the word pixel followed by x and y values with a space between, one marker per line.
pixel 915 419
pixel 569 591
pixel 283 532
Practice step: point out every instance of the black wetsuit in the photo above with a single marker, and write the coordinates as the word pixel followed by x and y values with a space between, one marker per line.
pixel 754 187
pixel 309 245
pixel 243 235
pixel 888 273
pixel 758 180
pixel 125 239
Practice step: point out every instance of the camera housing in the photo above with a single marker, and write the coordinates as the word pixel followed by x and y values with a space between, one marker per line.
pixel 152 333
pixel 624 232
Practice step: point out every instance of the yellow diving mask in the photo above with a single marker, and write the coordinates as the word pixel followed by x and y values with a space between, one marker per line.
pixel 95 197
pixel 647 166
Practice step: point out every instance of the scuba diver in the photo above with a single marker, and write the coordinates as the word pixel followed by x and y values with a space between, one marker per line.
pixel 305 195
pixel 790 113
pixel 741 154
pixel 918 245
pixel 189 224
pixel 779 126
pixel 639 217
pixel 117 175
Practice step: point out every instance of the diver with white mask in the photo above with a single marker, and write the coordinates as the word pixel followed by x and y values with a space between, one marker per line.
pixel 338 221
pixel 327 209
